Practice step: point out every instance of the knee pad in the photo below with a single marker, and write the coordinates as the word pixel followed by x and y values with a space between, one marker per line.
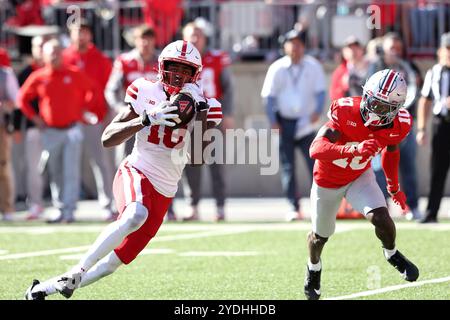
pixel 135 215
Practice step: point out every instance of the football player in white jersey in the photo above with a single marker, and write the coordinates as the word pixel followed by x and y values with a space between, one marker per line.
pixel 146 181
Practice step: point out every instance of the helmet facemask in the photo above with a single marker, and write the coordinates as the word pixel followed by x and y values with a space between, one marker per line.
pixel 377 113
pixel 175 74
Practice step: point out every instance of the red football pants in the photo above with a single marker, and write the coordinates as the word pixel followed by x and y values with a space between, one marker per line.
pixel 131 185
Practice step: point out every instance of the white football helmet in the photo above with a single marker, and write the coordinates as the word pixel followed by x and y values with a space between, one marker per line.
pixel 182 52
pixel 384 93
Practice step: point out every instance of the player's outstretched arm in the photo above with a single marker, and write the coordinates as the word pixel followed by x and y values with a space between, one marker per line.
pixel 122 127
pixel 324 146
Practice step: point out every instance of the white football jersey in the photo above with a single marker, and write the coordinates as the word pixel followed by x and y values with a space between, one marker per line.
pixel 158 151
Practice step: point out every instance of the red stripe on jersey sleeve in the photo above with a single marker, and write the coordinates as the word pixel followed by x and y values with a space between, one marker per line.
pixel 214 116
pixel 132 86
pixel 131 94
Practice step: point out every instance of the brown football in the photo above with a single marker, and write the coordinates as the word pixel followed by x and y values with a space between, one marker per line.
pixel 186 108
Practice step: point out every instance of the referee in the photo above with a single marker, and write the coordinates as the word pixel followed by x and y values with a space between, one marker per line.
pixel 436 95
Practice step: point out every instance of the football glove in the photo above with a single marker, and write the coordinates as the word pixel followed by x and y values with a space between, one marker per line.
pixel 398 196
pixel 160 115
pixel 367 148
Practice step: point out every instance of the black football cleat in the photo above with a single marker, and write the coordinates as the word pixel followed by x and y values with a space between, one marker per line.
pixel 312 284
pixel 408 270
pixel 29 295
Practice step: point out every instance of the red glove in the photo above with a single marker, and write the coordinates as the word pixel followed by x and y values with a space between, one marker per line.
pixel 398 197
pixel 367 148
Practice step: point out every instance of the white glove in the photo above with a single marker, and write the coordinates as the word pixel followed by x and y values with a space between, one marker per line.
pixel 195 90
pixel 161 113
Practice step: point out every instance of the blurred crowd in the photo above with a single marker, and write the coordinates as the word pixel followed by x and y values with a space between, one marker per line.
pixel 57 105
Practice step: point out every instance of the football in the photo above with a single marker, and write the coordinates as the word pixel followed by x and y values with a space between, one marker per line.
pixel 186 108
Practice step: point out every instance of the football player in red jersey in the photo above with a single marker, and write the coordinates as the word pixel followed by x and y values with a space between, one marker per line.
pixel 358 129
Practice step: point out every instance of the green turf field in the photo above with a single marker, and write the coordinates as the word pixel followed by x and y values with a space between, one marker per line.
pixel 231 261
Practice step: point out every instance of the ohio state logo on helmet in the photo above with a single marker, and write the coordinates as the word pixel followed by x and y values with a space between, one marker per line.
pixel 384 93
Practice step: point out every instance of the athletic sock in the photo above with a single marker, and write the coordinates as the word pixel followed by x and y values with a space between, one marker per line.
pixel 389 253
pixel 314 267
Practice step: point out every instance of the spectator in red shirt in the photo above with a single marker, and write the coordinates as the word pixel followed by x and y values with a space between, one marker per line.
pixel 83 54
pixel 4 58
pixel 64 95
pixel 26 131
pixel 142 61
pixel 28 12
pixel 164 17
pixel 348 78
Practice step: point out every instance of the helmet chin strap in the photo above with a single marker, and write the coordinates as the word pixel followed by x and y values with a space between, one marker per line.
pixel 372 117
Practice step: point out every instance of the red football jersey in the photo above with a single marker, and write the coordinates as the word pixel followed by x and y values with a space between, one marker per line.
pixel 214 62
pixel 345 117
pixel 133 67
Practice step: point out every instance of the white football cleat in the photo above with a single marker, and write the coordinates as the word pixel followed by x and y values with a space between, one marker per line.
pixel 67 284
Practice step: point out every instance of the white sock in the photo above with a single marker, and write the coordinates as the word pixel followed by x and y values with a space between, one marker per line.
pixel 101 269
pixel 314 267
pixel 113 235
pixel 389 253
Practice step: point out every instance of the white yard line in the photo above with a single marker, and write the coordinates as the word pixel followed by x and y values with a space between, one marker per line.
pixel 15 256
pixel 391 288
pixel 306 225
pixel 218 253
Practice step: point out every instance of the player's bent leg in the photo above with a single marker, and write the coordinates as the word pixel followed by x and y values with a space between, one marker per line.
pixel 366 197
pixel 385 231
pixel 103 268
pixel 324 206
pixel 132 218
pixel 384 226
pixel 314 268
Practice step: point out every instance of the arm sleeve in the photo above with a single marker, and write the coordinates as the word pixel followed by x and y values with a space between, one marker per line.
pixel 92 95
pixel 214 113
pixel 389 162
pixel 270 85
pixel 426 88
pixel 320 84
pixel 320 101
pixel 226 81
pixel 12 86
pixel 132 96
pixel 323 149
pixel 114 87
pixel 271 108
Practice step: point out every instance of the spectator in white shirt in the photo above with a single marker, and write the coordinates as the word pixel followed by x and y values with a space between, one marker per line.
pixel 294 96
